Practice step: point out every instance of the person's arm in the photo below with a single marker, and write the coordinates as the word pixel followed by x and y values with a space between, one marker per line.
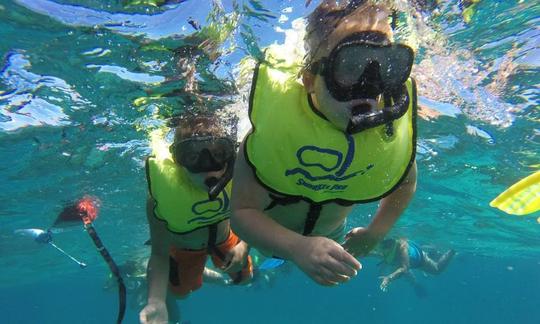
pixel 362 240
pixel 393 205
pixel 322 259
pixel 402 269
pixel 158 269
pixel 248 219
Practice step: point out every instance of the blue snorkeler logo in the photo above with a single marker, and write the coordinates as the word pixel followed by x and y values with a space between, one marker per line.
pixel 313 170
pixel 210 209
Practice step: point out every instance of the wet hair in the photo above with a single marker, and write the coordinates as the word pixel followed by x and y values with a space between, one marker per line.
pixel 191 125
pixel 331 13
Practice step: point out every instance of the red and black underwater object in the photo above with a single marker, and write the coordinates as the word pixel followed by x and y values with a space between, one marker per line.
pixel 86 207
pixel 85 210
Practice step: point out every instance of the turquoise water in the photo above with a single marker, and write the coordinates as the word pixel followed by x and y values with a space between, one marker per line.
pixel 69 125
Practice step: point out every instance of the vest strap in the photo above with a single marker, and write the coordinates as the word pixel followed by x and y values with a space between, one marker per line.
pixel 313 213
pixel 283 201
pixel 312 217
pixel 211 246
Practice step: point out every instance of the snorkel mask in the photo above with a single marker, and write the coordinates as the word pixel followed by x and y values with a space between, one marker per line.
pixel 206 154
pixel 363 66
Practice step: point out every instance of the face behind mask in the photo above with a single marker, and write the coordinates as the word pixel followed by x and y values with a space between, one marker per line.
pixel 363 66
pixel 206 154
pixel 203 154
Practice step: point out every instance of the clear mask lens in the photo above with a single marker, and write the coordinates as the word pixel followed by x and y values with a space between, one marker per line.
pixel 203 154
pixel 360 63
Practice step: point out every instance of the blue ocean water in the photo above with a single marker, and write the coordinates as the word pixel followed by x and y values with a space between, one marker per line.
pixel 71 124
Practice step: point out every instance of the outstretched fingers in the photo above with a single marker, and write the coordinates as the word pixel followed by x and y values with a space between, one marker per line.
pixel 327 277
pixel 346 258
pixel 338 269
pixel 341 268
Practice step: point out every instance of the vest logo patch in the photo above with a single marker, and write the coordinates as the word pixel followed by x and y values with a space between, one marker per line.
pixel 209 210
pixel 322 169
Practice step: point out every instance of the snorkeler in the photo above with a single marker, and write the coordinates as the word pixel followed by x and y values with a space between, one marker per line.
pixel 188 213
pixel 344 135
pixel 407 255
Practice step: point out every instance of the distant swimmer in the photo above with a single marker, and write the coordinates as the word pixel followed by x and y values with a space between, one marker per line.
pixel 407 255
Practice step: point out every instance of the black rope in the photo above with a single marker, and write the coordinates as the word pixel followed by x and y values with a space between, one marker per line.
pixel 114 269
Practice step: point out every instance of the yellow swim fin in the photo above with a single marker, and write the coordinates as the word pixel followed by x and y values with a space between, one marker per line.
pixel 521 198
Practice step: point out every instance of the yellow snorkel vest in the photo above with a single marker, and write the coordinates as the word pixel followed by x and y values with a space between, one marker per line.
pixel 184 207
pixel 296 152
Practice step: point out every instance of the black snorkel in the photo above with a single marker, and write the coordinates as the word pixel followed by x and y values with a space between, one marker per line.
pixel 215 185
pixel 362 120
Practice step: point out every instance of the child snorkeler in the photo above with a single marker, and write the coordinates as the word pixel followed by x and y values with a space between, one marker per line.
pixel 407 255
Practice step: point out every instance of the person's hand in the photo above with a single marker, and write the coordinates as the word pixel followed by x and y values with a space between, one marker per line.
pixel 325 261
pixel 360 241
pixel 236 258
pixel 154 313
pixel 384 283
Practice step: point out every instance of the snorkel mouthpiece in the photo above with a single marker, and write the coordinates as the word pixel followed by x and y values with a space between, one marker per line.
pixel 360 120
pixel 364 106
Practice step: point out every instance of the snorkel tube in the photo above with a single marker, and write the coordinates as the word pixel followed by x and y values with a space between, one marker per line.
pixel 219 184
pixel 361 120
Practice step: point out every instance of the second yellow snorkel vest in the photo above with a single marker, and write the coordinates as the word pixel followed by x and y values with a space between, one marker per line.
pixel 184 207
pixel 296 152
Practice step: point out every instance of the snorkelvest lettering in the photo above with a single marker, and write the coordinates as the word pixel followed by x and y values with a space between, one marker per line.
pixel 296 152
pixel 184 207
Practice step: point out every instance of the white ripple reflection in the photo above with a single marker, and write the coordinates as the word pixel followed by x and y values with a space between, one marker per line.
pixel 28 98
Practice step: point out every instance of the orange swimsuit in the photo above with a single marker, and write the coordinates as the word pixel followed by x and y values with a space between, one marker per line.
pixel 187 266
